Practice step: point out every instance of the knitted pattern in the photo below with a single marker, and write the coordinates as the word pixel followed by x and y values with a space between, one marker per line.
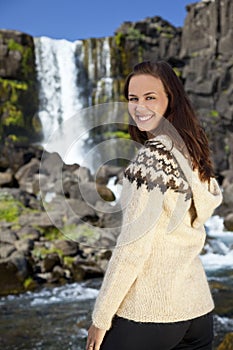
pixel 155 166
pixel 155 273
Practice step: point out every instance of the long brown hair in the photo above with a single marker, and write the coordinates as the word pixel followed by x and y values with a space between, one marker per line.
pixel 179 113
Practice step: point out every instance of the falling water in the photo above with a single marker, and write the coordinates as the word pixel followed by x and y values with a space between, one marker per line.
pixel 72 76
pixel 57 76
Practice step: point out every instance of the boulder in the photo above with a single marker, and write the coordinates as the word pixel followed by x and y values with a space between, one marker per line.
pixel 13 271
pixel 6 250
pixel 228 196
pixel 68 248
pixel 50 261
pixel 25 175
pixel 85 270
pixel 6 178
pixel 227 343
pixel 228 222
pixel 24 245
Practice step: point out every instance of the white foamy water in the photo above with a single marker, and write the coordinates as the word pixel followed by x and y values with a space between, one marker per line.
pixel 219 252
pixel 67 293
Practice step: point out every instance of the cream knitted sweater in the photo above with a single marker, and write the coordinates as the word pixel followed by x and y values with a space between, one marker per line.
pixel 155 273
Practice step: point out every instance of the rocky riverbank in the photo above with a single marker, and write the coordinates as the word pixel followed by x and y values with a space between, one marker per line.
pixel 56 226
pixel 56 231
pixel 56 221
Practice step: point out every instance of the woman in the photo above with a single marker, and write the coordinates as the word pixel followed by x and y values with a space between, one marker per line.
pixel 155 293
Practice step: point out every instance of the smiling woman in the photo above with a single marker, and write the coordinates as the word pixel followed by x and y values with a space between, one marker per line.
pixel 155 293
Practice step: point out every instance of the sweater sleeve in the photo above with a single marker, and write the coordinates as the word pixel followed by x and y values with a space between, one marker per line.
pixel 146 181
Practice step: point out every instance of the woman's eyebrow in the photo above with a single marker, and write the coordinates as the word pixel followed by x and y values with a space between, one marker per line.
pixel 150 92
pixel 146 94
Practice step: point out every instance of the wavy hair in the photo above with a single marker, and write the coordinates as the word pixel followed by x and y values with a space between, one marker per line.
pixel 179 113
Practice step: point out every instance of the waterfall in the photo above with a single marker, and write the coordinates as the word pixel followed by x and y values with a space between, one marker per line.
pixel 57 76
pixel 104 85
pixel 71 76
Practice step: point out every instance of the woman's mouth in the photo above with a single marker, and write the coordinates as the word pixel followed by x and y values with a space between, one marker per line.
pixel 143 118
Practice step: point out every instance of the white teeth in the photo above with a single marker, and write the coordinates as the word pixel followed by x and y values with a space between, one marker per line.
pixel 143 119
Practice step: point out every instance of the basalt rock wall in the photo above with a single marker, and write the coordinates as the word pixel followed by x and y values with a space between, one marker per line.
pixel 18 88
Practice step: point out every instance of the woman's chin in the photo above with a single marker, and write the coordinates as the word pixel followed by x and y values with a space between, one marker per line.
pixel 145 128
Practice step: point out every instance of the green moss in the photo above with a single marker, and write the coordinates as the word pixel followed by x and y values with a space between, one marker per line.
pixel 214 114
pixel 134 34
pixel 167 35
pixel 52 234
pixel 177 71
pixel 27 56
pixel 12 115
pixel 68 260
pixel 28 283
pixel 10 209
pixel 17 139
pixel 14 84
pixel 119 39
pixel 227 149
pixel 83 233
pixel 10 109
pixel 41 252
pixel 116 134
pixel 195 54
pixel 14 46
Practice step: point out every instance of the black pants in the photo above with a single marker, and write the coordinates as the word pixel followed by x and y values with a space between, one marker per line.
pixel 129 335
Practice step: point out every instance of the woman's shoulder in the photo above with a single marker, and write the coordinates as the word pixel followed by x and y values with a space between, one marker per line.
pixel 156 166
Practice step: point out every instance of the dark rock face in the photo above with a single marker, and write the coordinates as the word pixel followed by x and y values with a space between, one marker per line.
pixel 18 88
pixel 201 54
pixel 206 48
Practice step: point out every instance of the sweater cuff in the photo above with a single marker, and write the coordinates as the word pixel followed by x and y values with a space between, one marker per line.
pixel 101 322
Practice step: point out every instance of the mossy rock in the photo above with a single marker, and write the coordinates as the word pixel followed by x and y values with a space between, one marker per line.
pixel 227 343
pixel 10 210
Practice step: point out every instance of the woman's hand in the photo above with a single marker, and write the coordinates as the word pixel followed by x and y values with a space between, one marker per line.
pixel 95 338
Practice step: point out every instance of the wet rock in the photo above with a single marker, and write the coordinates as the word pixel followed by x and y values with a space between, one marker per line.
pixel 41 219
pixel 83 174
pixel 228 222
pixel 50 261
pixel 105 172
pixel 227 343
pixel 85 270
pixel 24 245
pixel 13 271
pixel 6 250
pixel 105 193
pixel 8 236
pixel 25 175
pixel 228 196
pixel 68 248
pixel 29 232
pixel 6 178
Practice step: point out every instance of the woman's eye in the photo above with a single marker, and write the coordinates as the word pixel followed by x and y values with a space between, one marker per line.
pixel 150 98
pixel 133 99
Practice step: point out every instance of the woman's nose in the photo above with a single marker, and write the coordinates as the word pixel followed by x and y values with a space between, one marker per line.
pixel 140 108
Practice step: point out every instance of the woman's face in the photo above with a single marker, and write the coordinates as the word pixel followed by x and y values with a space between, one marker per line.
pixel 147 101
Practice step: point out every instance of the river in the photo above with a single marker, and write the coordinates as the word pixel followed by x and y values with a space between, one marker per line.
pixel 58 318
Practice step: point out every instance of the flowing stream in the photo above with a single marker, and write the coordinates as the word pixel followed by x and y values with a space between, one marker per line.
pixel 58 318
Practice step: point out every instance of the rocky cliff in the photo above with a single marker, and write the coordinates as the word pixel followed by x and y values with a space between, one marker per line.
pixel 200 52
pixel 18 88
